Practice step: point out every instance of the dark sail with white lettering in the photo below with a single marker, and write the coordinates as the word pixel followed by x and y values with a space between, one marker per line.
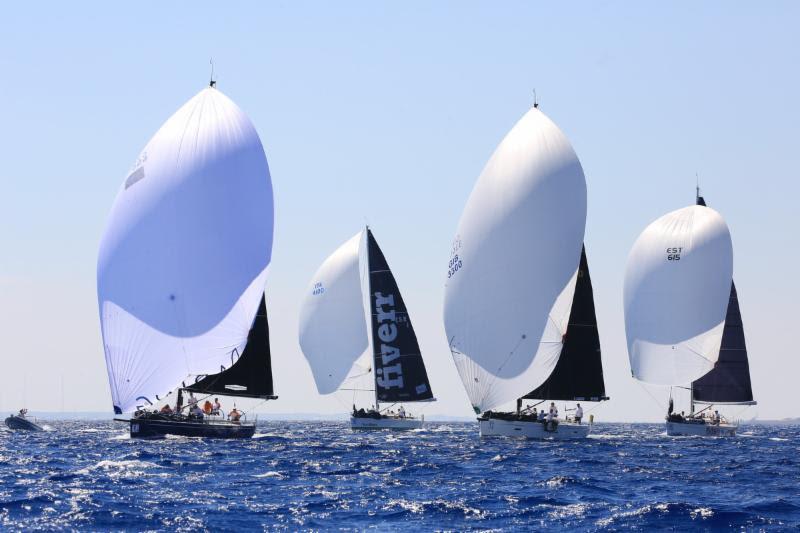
pixel 399 371
pixel 250 375
pixel 729 381
pixel 578 375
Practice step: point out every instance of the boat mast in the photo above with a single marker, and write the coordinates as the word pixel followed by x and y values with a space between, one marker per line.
pixel 371 325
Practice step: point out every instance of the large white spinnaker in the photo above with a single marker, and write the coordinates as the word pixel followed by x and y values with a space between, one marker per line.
pixel 516 251
pixel 183 259
pixel 677 285
pixel 333 324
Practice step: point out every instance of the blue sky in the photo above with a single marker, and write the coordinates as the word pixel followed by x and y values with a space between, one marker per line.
pixel 386 112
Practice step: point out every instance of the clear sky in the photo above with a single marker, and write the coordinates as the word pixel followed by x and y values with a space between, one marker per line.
pixel 386 112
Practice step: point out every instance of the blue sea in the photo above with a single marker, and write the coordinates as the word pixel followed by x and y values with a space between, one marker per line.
pixel 321 475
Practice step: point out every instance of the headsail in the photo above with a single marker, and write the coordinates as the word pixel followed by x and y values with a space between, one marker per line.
pixel 578 375
pixel 729 380
pixel 400 374
pixel 333 326
pixel 513 259
pixel 249 374
pixel 677 283
pixel 183 259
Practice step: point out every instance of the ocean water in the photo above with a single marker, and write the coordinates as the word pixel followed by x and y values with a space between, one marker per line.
pixel 321 475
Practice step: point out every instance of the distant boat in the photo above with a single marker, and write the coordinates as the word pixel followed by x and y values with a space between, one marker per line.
pixel 519 310
pixel 181 272
pixel 682 317
pixel 21 422
pixel 333 334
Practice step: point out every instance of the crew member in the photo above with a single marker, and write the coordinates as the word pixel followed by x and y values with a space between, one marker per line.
pixel 578 413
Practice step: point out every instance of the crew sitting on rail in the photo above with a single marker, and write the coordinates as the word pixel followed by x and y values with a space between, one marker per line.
pixel 166 410
pixel 196 411
pixel 207 407
pixel 234 415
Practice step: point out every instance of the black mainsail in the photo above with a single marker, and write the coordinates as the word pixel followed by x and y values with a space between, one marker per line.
pixel 578 374
pixel 399 370
pixel 250 376
pixel 729 381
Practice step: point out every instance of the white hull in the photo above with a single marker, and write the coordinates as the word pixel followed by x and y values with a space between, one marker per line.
pixel 386 423
pixel 533 430
pixel 679 429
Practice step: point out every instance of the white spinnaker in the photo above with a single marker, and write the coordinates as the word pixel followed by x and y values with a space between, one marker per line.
pixel 333 324
pixel 516 251
pixel 183 259
pixel 675 308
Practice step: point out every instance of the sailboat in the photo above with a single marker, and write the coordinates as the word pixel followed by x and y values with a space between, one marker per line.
pixel 334 338
pixel 682 317
pixel 519 310
pixel 181 273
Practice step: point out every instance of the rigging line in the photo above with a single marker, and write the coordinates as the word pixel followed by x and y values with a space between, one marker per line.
pixel 649 394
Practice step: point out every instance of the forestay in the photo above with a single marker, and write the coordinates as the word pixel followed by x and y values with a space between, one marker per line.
pixel 677 283
pixel 333 327
pixel 513 264
pixel 183 259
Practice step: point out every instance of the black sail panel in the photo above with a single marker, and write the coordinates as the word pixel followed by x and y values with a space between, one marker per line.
pixel 578 374
pixel 729 380
pixel 250 375
pixel 400 374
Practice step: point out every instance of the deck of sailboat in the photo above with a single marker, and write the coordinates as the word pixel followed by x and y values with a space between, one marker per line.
pixel 386 422
pixel 526 427
pixel 155 425
pixel 700 428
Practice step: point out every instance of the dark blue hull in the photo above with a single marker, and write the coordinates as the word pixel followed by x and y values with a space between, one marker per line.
pixel 18 423
pixel 158 427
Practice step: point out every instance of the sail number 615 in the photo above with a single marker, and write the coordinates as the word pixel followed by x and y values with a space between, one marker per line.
pixel 674 254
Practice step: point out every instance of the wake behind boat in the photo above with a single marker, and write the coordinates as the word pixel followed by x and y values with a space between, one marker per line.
pixel 21 422
pixel 181 274
pixel 519 309
pixel 333 336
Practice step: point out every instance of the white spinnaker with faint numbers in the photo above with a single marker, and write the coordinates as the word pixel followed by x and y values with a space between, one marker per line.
pixel 516 251
pixel 675 308
pixel 183 259
pixel 333 323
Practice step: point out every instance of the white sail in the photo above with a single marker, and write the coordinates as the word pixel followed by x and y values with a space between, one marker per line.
pixel 183 259
pixel 333 324
pixel 516 251
pixel 677 284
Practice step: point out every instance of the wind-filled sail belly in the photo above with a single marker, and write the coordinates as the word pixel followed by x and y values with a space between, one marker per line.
pixel 514 257
pixel 677 283
pixel 333 327
pixel 183 260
